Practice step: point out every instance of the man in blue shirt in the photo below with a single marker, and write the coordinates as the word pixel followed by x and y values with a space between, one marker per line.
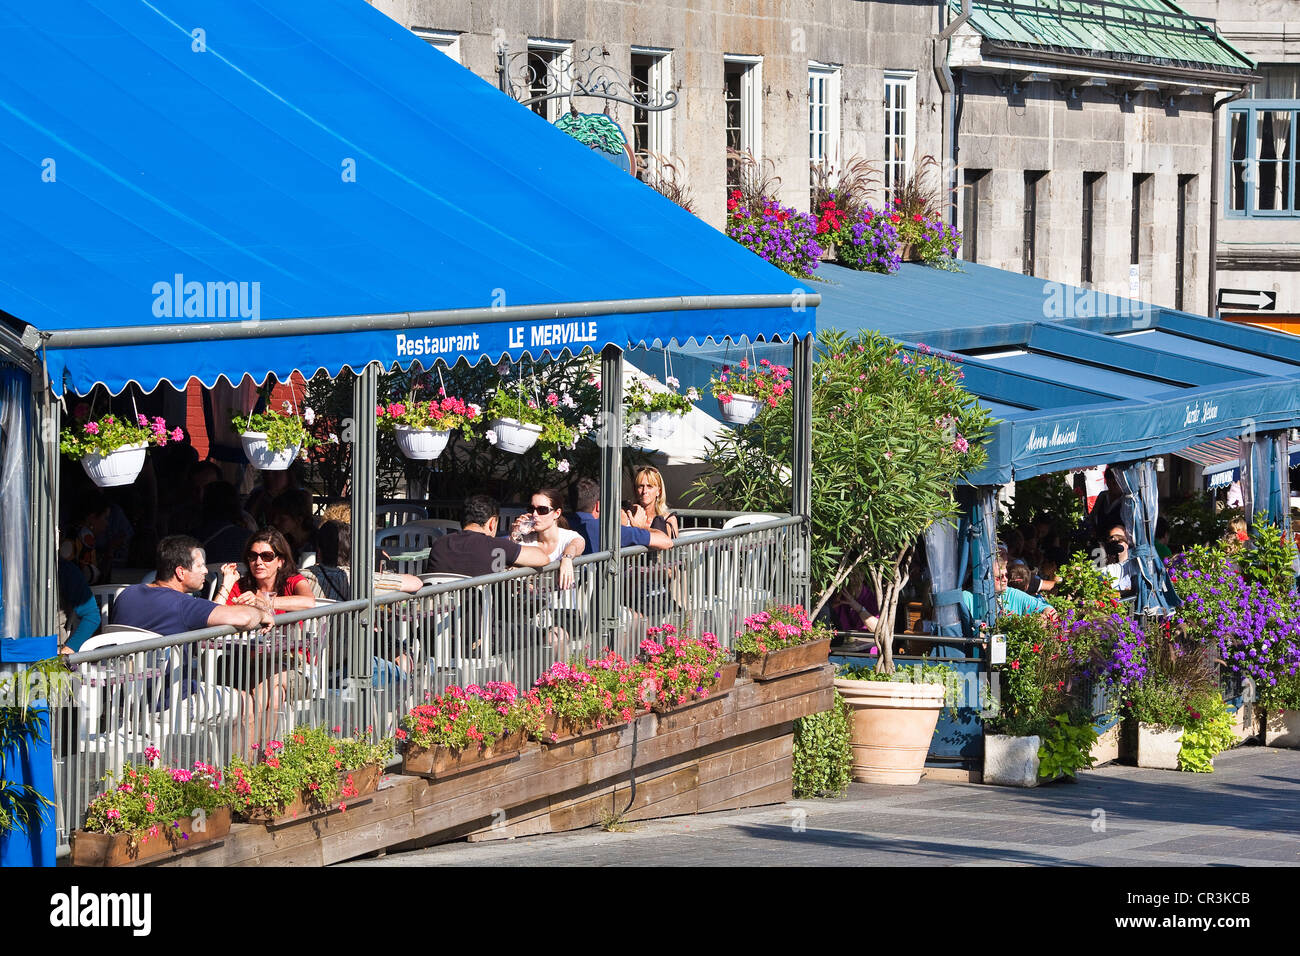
pixel 588 523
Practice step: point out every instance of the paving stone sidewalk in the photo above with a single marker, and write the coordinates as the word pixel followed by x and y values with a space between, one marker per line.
pixel 1246 813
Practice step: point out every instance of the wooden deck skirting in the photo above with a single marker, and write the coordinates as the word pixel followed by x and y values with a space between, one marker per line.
pixel 721 754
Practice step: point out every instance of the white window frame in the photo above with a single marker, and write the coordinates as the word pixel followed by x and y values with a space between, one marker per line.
pixel 563 50
pixel 896 170
pixel 659 124
pixel 827 76
pixel 444 41
pixel 751 102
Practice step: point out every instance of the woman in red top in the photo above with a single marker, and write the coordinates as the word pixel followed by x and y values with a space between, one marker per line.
pixel 273 582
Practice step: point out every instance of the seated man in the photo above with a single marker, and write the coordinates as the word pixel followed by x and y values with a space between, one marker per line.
pixel 166 605
pixel 1010 600
pixel 476 550
pixel 588 523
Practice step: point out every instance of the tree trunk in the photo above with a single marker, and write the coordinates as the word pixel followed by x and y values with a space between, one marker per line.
pixel 887 591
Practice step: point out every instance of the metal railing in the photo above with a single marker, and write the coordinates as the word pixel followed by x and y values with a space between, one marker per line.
pixel 358 667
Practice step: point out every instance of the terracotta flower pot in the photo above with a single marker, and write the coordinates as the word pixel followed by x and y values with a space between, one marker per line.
pixel 893 725
pixel 117 849
pixel 1282 729
pixel 441 762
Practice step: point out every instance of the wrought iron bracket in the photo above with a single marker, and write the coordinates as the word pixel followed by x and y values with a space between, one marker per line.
pixel 581 73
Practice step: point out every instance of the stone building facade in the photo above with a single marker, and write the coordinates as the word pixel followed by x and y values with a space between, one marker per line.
pixel 1258 250
pixel 838 79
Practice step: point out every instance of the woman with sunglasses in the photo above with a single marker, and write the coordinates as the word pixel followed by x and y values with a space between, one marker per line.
pixel 549 531
pixel 272 583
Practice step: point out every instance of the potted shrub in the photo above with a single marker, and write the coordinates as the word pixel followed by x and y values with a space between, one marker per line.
pixel 1207 732
pixel 688 670
pixel 273 439
pixel 780 641
pixel 894 717
pixel 780 234
pixel 870 243
pixel 918 213
pixel 422 429
pixel 822 762
pixel 307 775
pixel 464 729
pixel 518 422
pixel 111 449
pixel 149 810
pixel 660 409
pixel 744 390
pixel 1281 702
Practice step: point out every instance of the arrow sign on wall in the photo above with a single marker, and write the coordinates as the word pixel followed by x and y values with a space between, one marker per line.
pixel 1257 299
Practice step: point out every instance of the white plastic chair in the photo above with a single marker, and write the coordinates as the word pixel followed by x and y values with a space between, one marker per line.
pixel 739 521
pixel 391 516
pixel 454 634
pixel 105 595
pixel 402 541
pixel 440 525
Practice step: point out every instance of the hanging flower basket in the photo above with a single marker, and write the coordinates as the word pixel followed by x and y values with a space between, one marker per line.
pixel 740 409
pixel 262 456
pixel 273 439
pixel 660 409
pixel 119 467
pixel 421 444
pixel 422 429
pixel 111 450
pixel 515 436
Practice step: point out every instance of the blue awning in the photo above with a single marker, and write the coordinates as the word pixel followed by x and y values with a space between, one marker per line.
pixel 260 162
pixel 1077 377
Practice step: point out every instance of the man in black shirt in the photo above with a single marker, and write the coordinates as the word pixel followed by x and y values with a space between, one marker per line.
pixel 476 550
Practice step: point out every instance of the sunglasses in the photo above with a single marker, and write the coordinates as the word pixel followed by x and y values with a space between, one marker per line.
pixel 264 556
pixel 541 510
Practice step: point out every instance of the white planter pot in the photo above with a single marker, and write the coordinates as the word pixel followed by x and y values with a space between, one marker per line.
pixel 1158 746
pixel 1011 761
pixel 1282 728
pixel 741 410
pixel 421 444
pixel 119 467
pixel 514 436
pixel 260 455
pixel 661 425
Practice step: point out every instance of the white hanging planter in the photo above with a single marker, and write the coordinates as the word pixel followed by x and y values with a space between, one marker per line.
pixel 514 436
pixel 260 455
pixel 741 410
pixel 421 444
pixel 121 466
pixel 661 426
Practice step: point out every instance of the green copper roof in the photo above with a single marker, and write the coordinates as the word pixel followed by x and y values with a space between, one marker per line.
pixel 1141 31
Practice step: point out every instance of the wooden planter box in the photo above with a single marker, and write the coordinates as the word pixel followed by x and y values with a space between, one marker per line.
pixel 787 660
pixel 557 732
pixel 116 849
pixel 727 674
pixel 364 781
pixel 441 762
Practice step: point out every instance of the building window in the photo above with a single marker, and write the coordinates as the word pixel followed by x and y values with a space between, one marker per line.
pixel 651 81
pixel 1029 245
pixel 823 114
pixel 1277 81
pixel 1090 191
pixel 1186 184
pixel 742 91
pixel 441 40
pixel 548 72
pixel 972 194
pixel 1140 199
pixel 900 129
pixel 1262 158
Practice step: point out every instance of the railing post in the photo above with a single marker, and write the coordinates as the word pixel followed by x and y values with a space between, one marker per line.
pixel 611 490
pixel 801 467
pixel 364 459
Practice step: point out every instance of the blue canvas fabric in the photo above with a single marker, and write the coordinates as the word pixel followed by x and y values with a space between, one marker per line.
pixel 1140 511
pixel 328 163
pixel 28 760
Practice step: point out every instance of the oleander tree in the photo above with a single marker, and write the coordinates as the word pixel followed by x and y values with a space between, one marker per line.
pixel 893 432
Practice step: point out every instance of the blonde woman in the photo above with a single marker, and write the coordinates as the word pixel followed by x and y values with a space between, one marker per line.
pixel 649 505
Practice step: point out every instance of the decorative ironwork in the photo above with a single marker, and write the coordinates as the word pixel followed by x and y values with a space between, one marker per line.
pixel 584 73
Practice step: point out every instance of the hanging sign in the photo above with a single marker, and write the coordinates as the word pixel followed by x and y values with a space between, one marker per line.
pixel 601 134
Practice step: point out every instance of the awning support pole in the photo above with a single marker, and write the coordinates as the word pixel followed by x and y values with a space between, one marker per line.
pixel 44 521
pixel 611 490
pixel 801 467
pixel 364 457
